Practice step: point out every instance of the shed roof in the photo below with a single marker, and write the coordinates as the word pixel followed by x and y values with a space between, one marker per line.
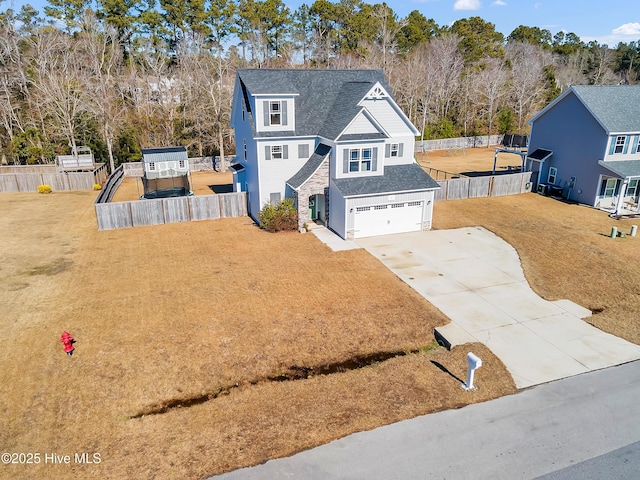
pixel 326 100
pixel 396 179
pixel 165 154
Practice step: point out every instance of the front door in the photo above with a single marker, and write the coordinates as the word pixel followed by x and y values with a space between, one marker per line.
pixel 313 210
pixel 608 191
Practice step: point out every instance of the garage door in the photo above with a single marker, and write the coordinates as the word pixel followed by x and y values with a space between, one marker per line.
pixel 387 219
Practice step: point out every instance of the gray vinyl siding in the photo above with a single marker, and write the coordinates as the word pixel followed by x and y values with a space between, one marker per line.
pixel 578 142
pixel 387 116
pixel 405 153
pixel 275 172
pixel 337 212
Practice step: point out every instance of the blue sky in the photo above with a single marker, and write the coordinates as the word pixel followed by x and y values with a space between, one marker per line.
pixel 607 22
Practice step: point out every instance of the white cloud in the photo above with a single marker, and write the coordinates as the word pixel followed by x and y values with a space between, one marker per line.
pixel 627 29
pixel 499 3
pixel 467 5
pixel 537 5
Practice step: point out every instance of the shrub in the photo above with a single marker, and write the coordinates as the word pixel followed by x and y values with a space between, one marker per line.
pixel 44 189
pixel 97 186
pixel 279 217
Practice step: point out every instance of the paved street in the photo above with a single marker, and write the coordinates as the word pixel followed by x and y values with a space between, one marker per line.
pixel 570 428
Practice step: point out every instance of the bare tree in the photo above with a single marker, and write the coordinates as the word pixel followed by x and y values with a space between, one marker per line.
pixel 57 74
pixel 527 78
pixel 490 82
pixel 102 54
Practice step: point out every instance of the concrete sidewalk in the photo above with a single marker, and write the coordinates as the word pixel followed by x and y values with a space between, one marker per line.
pixel 476 279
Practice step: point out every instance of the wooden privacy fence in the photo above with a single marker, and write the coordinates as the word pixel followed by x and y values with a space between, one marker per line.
pixel 460 142
pixel 28 178
pixel 170 210
pixel 476 187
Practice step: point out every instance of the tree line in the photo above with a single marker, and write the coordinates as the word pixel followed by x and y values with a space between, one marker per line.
pixel 121 75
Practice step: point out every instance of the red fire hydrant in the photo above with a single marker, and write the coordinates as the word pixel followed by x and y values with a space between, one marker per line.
pixel 67 340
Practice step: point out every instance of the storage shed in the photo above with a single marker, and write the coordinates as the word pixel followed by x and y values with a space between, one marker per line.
pixel 165 172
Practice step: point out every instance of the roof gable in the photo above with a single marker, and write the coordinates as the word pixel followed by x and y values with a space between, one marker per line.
pixel 326 100
pixel 614 107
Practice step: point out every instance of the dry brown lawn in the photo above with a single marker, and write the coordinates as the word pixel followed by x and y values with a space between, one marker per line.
pixel 185 312
pixel 131 188
pixel 468 160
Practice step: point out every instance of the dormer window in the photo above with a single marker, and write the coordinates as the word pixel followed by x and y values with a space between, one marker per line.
pixel 275 113
pixel 360 160
pixel 620 141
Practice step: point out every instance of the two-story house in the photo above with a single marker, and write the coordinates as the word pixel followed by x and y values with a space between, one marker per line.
pixel 585 145
pixel 337 143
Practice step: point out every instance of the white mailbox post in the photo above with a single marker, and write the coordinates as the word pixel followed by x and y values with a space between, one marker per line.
pixel 474 362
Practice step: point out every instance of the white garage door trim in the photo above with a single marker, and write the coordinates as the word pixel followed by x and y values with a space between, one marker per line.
pixel 386 219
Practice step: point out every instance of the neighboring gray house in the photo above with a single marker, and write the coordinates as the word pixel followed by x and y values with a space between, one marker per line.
pixel 337 143
pixel 585 145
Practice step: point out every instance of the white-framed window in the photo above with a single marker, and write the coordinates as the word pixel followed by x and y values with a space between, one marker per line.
pixel 152 166
pixel 638 147
pixel 553 173
pixel 620 141
pixel 632 188
pixel 244 148
pixel 275 113
pixel 181 163
pixel 276 151
pixel 395 149
pixel 244 108
pixel 360 160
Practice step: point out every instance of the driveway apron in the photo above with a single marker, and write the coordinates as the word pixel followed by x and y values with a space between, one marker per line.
pixel 476 279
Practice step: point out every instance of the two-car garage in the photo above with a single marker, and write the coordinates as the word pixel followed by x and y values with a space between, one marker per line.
pixel 385 219
pixel 399 201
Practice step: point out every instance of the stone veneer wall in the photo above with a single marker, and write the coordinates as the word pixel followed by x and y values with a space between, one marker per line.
pixel 318 184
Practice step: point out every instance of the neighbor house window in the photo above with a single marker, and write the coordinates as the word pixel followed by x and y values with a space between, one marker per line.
pixel 275 113
pixel 244 107
pixel 620 144
pixel 553 172
pixel 632 188
pixel 360 160
pixel 244 149
pixel 276 151
pixel 152 166
pixel 394 150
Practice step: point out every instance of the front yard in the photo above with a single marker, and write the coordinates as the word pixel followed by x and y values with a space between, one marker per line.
pixel 195 325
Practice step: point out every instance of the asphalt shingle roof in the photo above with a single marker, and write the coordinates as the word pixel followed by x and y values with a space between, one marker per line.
pixel 396 178
pixel 326 100
pixel 310 167
pixel 164 154
pixel 616 106
pixel 625 168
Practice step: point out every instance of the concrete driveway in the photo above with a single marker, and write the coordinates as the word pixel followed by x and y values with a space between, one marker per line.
pixel 476 279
